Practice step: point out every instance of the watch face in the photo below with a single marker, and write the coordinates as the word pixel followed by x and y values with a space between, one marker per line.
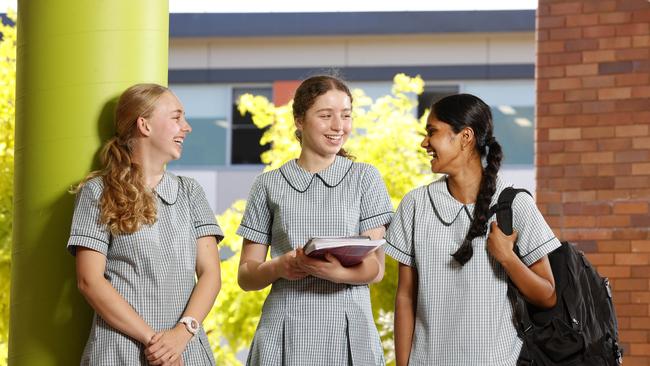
pixel 194 324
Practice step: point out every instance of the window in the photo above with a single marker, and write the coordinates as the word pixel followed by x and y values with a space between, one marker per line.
pixel 433 94
pixel 245 146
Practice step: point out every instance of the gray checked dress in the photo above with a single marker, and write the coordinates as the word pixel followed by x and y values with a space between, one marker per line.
pixel 463 315
pixel 314 321
pixel 153 269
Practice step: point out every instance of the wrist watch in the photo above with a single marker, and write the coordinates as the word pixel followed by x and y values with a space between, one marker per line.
pixel 191 324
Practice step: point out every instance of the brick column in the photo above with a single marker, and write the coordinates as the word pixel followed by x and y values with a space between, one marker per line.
pixel 593 145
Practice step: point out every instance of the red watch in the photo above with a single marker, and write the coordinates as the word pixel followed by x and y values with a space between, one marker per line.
pixel 191 324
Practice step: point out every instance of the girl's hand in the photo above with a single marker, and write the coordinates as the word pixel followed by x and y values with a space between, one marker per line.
pixel 329 269
pixel 166 347
pixel 500 245
pixel 288 267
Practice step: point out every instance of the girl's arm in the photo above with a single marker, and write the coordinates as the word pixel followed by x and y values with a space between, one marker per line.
pixel 255 272
pixel 105 300
pixel 170 344
pixel 536 283
pixel 370 270
pixel 405 302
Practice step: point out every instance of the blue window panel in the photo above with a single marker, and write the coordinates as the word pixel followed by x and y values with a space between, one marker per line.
pixel 514 128
pixel 206 145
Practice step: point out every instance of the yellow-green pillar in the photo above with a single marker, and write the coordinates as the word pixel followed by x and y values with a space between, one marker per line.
pixel 73 59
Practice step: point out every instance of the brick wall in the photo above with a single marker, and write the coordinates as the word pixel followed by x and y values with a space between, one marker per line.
pixel 593 145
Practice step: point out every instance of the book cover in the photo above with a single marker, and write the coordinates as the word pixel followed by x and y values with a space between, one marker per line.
pixel 349 251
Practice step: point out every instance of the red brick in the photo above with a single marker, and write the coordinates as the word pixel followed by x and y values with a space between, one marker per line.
pixel 641 169
pixel 637 29
pixel 565 8
pixel 632 309
pixel 545 196
pixel 633 54
pixel 582 70
pixel 618 67
pixel 631 208
pixel 598 132
pixel 614 246
pixel 641 92
pixel 621 284
pixel 599 6
pixel 550 22
pixel 581 120
pixel 614 43
pixel 578 196
pixel 599 81
pixel 641 143
pixel 640 272
pixel 601 106
pixel 639 6
pixel 614 18
pixel 641 41
pixel 634 336
pixel 642 15
pixel 632 182
pixel 613 221
pixel 578 221
pixel 581 20
pixel 614 144
pixel 547 147
pixel 589 57
pixel 594 182
pixel 600 31
pixel 634 156
pixel 632 79
pixel 597 157
pixel 615 118
pixel 611 170
pixel 581 145
pixel 566 33
pixel 641 117
pixel 614 93
pixel 616 272
pixel 564 83
pixel 550 121
pixel 632 105
pixel 564 108
pixel 550 171
pixel 550 72
pixel 631 233
pixel 640 297
pixel 639 349
pixel 587 208
pixel 581 44
pixel 564 158
pixel 569 58
pixel 632 131
pixel 632 259
pixel 640 246
pixel 601 258
pixel 564 134
pixel 550 47
pixel 640 220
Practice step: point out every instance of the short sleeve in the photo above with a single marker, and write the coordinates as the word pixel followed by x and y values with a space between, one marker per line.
pixel 399 238
pixel 257 220
pixel 376 208
pixel 86 230
pixel 535 238
pixel 205 223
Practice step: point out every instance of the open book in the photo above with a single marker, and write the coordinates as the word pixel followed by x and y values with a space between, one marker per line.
pixel 348 250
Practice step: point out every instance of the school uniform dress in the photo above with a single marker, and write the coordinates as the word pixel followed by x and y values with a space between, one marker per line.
pixel 153 269
pixel 314 321
pixel 463 315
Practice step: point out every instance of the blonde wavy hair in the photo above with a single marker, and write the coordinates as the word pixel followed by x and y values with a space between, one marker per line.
pixel 126 203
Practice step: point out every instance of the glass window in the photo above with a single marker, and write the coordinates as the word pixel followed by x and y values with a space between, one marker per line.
pixel 432 94
pixel 515 130
pixel 245 147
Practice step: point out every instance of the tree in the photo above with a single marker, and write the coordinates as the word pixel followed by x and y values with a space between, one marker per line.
pixel 7 124
pixel 386 133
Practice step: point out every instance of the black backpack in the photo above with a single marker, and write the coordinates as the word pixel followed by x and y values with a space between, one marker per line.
pixel 581 329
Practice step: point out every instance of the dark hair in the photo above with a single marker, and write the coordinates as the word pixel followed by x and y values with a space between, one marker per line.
pixel 312 88
pixel 461 111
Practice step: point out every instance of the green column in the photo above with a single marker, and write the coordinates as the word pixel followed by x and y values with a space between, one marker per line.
pixel 73 59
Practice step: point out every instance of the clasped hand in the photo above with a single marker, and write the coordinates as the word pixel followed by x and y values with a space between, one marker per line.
pixel 296 264
pixel 500 245
pixel 166 347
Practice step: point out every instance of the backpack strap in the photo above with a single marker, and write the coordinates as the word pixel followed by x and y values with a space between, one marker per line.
pixel 503 210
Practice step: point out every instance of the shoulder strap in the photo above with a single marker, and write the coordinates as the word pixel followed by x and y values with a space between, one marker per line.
pixel 503 208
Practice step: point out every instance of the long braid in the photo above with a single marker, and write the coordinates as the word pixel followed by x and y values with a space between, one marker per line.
pixel 482 207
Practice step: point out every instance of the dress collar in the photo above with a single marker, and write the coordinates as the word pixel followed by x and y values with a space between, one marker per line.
pixel 300 179
pixel 167 188
pixel 447 208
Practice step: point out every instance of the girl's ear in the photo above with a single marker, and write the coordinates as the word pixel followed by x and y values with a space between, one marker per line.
pixel 298 122
pixel 143 126
pixel 467 138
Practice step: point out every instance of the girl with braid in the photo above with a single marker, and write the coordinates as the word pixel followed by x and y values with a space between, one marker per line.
pixel 452 306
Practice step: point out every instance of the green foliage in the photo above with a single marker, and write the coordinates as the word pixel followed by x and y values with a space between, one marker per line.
pixel 386 134
pixel 7 124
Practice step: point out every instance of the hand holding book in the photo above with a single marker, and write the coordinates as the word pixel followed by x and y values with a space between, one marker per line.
pixel 349 251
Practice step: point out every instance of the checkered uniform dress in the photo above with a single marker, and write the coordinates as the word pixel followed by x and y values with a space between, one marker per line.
pixel 463 315
pixel 153 269
pixel 314 321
